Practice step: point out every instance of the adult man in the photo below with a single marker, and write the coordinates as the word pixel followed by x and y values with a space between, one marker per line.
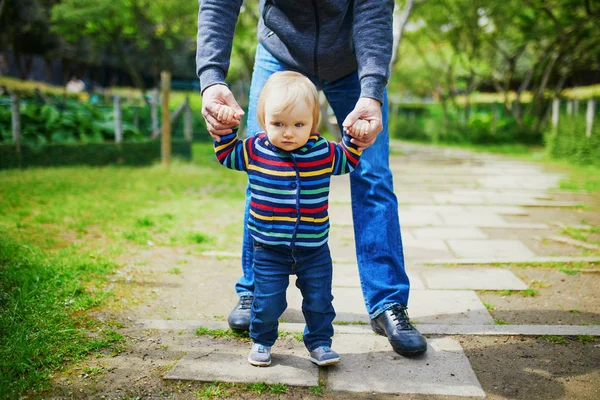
pixel 344 47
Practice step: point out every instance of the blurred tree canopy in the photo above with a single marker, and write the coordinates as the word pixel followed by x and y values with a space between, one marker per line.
pixel 448 48
pixel 455 47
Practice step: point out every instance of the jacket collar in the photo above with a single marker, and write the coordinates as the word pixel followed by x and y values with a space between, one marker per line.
pixel 264 140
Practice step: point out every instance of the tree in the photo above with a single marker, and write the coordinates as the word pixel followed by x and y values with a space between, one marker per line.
pixel 26 31
pixel 144 35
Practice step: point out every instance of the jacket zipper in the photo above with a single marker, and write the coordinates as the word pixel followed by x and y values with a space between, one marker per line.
pixel 317 29
pixel 297 170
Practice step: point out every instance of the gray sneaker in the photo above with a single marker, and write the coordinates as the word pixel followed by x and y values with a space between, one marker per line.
pixel 323 356
pixel 260 356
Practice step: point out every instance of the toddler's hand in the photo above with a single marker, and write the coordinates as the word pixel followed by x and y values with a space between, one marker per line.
pixel 359 128
pixel 226 114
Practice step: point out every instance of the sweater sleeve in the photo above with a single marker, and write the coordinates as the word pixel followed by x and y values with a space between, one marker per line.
pixel 216 26
pixel 373 37
pixel 345 157
pixel 232 152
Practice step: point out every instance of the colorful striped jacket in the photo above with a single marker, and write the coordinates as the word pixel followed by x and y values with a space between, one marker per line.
pixel 289 190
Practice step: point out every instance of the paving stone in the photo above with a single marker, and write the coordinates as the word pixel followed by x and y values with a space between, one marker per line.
pixel 419 219
pixel 486 193
pixel 425 306
pixel 346 275
pixel 433 329
pixel 448 233
pixel 502 210
pixel 443 198
pixel 489 248
pixel 435 208
pixel 424 249
pixel 509 259
pixel 369 365
pixel 473 220
pixel 477 278
pixel 228 363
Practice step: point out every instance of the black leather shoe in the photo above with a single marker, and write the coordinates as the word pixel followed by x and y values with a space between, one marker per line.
pixel 239 317
pixel 403 337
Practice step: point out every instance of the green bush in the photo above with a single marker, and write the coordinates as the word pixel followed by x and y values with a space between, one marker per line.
pixel 569 142
pixel 430 125
pixel 80 122
pixel 93 154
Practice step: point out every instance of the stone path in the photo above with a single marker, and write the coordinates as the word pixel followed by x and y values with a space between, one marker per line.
pixel 455 207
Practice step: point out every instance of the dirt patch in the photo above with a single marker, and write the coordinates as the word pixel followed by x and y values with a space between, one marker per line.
pixel 534 368
pixel 558 298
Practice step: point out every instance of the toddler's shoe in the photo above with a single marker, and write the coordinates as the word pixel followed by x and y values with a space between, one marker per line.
pixel 260 356
pixel 323 356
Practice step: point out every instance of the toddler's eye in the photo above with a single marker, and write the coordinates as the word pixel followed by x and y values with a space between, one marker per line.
pixel 299 125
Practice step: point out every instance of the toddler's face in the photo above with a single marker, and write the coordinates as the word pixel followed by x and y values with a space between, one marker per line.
pixel 288 129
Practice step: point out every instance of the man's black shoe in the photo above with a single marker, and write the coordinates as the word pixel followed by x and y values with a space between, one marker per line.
pixel 239 317
pixel 403 337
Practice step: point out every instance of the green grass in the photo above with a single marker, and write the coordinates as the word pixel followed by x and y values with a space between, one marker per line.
pixel 260 387
pixel 554 339
pixel 61 230
pixel 215 390
pixel 223 334
pixel 43 299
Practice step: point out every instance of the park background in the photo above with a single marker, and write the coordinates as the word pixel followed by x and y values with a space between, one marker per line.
pixel 520 77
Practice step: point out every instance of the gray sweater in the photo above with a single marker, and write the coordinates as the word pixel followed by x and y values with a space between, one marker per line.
pixel 328 39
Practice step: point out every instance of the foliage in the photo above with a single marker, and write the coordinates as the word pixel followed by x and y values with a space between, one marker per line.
pixel 26 31
pixel 143 35
pixel 485 124
pixel 454 47
pixel 94 154
pixel 68 122
pixel 570 142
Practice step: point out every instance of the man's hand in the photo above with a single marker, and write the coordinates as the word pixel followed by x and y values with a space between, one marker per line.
pixel 213 98
pixel 369 110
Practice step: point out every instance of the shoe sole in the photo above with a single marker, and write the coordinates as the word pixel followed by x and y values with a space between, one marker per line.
pixel 326 362
pixel 259 363
pixel 239 328
pixel 417 352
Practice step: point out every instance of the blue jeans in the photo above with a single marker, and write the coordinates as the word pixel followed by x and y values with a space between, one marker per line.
pixel 374 206
pixel 272 267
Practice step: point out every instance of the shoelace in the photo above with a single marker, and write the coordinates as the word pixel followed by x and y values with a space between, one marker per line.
pixel 245 302
pixel 261 349
pixel 399 313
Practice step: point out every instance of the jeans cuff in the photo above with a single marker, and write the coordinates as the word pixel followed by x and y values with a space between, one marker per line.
pixel 383 309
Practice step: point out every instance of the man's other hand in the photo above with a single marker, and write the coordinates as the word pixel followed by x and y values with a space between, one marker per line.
pixel 369 110
pixel 213 98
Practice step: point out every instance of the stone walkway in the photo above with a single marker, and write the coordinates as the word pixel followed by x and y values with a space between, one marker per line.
pixel 456 207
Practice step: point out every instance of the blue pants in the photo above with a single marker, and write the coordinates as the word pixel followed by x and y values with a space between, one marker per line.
pixel 272 267
pixel 374 206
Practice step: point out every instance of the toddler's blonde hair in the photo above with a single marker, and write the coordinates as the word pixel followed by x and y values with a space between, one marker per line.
pixel 293 87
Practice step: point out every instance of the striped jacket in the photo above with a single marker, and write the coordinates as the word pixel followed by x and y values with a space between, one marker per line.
pixel 289 190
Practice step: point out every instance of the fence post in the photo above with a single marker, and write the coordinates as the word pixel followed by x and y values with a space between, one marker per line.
pixel 576 107
pixel 16 125
pixel 589 117
pixel 187 123
pixel 555 110
pixel 570 108
pixel 165 83
pixel 118 112
pixel 154 111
